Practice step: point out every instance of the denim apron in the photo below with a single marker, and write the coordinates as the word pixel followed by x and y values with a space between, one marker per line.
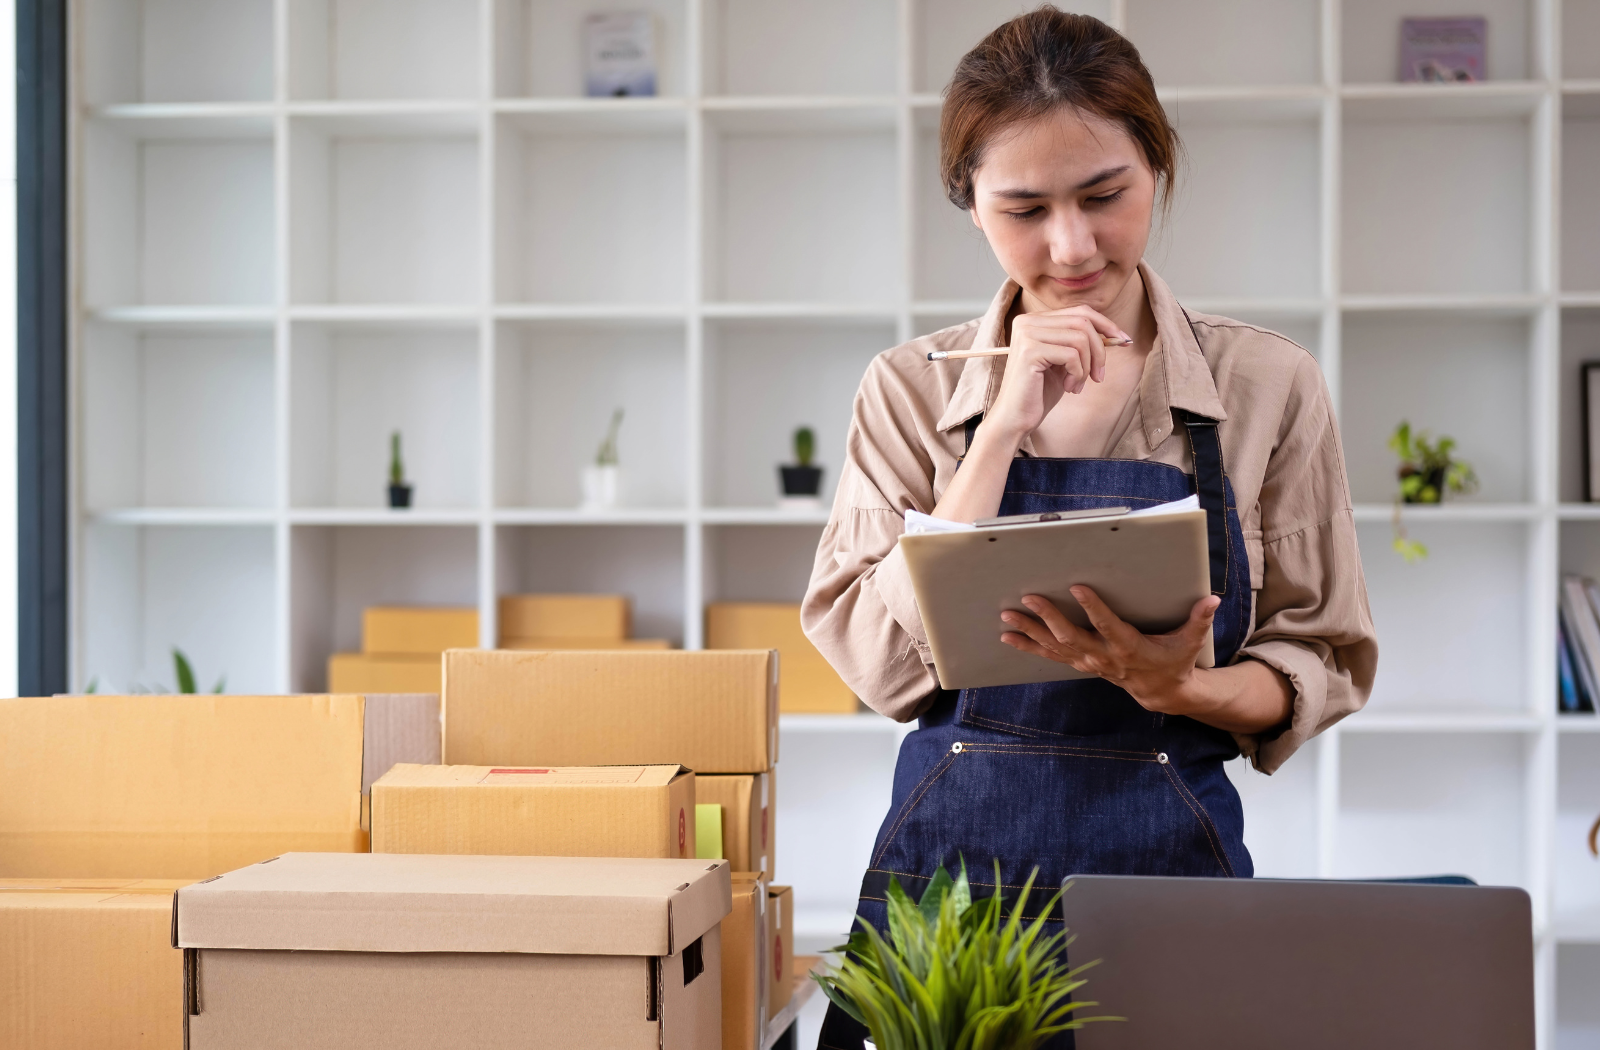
pixel 1074 776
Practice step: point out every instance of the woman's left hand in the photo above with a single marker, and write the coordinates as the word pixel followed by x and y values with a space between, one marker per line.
pixel 1156 669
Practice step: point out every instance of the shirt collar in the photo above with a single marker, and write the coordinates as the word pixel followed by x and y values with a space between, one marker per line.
pixel 1175 374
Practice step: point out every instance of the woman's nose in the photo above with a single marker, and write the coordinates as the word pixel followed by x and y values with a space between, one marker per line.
pixel 1072 241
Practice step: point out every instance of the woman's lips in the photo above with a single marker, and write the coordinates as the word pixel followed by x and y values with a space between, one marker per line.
pixel 1079 282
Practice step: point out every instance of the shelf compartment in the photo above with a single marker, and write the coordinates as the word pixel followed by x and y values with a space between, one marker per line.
pixel 1439 373
pixel 382 213
pixel 336 571
pixel 1371 36
pixel 1280 816
pixel 383 49
pixel 944 30
pixel 556 384
pixel 539 46
pixel 590 212
pixel 1580 197
pixel 177 418
pixel 1226 42
pixel 207 591
pixel 645 562
pixel 1455 624
pixel 825 47
pixel 176 51
pixel 1260 164
pixel 1580 344
pixel 766 378
pixel 1419 805
pixel 833 237
pixel 180 221
pixel 1577 1008
pixel 771 564
pixel 1468 233
pixel 1576 872
pixel 353 384
pixel 951 257
pixel 1580 28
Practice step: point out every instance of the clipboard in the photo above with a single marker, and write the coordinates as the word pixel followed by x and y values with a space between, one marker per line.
pixel 1149 569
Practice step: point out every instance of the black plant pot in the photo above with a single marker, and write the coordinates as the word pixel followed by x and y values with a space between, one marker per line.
pixel 801 481
pixel 399 496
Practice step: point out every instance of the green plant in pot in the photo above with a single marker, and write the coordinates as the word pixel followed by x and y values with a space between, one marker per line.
pixel 801 478
pixel 1428 471
pixel 399 488
pixel 958 974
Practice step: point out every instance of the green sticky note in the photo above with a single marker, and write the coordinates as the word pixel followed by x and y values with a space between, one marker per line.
pixel 708 831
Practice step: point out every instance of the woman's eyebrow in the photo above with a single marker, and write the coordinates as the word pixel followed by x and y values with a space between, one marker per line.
pixel 1025 194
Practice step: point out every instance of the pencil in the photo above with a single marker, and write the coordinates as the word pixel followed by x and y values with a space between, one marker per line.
pixel 995 351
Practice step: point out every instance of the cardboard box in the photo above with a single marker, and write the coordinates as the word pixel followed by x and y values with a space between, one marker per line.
pixel 606 616
pixel 806 682
pixel 585 643
pixel 399 727
pixel 360 673
pixel 401 952
pixel 748 807
pixel 548 811
pixel 417 630
pixel 89 963
pixel 780 948
pixel 715 712
pixel 185 787
pixel 744 965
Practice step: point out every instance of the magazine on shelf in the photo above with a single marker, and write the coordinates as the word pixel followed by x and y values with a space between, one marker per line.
pixel 619 54
pixel 1582 631
pixel 1443 50
pixel 1567 697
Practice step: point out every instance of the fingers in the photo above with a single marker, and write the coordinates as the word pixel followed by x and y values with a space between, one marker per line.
pixel 1200 618
pixel 1028 645
pixel 1070 341
pixel 1060 627
pixel 1109 624
pixel 1100 321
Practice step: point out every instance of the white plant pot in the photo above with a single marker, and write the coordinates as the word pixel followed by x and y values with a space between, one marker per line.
pixel 602 487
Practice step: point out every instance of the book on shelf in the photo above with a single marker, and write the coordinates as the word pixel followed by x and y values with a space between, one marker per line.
pixel 1567 696
pixel 619 54
pixel 1580 629
pixel 1443 50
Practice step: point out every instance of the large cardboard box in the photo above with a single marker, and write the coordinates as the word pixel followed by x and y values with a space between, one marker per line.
pixel 749 804
pixel 186 787
pixel 807 683
pixel 715 712
pixel 360 673
pixel 744 965
pixel 550 811
pixel 606 616
pixel 417 630
pixel 780 948
pixel 387 951
pixel 89 963
pixel 585 643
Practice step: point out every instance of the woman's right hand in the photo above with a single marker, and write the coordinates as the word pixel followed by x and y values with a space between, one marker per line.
pixel 1052 354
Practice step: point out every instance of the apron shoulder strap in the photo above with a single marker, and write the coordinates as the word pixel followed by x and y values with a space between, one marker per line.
pixel 1206 448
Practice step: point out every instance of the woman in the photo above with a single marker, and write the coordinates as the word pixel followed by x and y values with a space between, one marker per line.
pixel 1112 393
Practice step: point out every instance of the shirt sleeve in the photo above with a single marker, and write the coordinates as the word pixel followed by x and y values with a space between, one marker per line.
pixel 1312 621
pixel 859 609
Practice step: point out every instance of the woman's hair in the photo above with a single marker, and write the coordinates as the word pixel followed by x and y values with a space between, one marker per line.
pixel 1034 64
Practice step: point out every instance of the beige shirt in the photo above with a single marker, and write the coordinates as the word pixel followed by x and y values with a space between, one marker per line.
pixel 1281 448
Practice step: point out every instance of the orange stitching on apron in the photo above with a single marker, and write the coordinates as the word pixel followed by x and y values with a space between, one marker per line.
pixel 1075 752
pixel 915 800
pixel 998 746
pixel 907 874
pixel 1200 815
pixel 995 723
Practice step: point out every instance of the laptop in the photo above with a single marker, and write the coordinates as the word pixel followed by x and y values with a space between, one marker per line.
pixel 1252 964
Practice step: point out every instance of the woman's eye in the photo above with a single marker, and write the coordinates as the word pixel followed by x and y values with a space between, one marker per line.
pixel 1031 213
pixel 1110 198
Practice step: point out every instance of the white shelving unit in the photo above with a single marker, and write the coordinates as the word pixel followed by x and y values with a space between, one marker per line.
pixel 301 224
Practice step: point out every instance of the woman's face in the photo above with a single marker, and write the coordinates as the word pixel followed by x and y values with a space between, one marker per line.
pixel 1065 202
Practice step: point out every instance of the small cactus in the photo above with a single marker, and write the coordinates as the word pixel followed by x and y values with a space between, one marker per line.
pixel 805 446
pixel 397 467
pixel 607 455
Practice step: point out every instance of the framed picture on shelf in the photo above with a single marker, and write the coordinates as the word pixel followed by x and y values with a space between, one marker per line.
pixel 1589 390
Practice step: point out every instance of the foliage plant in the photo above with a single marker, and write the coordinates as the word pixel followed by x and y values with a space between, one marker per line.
pixel 182 670
pixel 607 455
pixel 1428 470
pixel 956 974
pixel 397 466
pixel 805 446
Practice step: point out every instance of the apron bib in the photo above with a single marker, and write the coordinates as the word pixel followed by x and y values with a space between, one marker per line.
pixel 1073 777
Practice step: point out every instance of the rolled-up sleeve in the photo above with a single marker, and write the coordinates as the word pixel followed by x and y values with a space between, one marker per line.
pixel 1312 621
pixel 859 609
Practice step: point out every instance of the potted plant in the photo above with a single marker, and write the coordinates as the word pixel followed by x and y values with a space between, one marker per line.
pixel 601 480
pixel 1428 470
pixel 801 481
pixel 399 489
pixel 955 974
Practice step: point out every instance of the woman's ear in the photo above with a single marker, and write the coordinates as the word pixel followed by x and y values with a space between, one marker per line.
pixel 973 211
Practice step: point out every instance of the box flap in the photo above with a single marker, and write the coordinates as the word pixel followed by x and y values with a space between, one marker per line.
pixel 400 727
pixel 407 775
pixel 395 902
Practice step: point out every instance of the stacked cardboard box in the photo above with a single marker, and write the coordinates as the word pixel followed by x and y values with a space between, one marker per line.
pixel 101 797
pixel 807 682
pixel 570 621
pixel 400 649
